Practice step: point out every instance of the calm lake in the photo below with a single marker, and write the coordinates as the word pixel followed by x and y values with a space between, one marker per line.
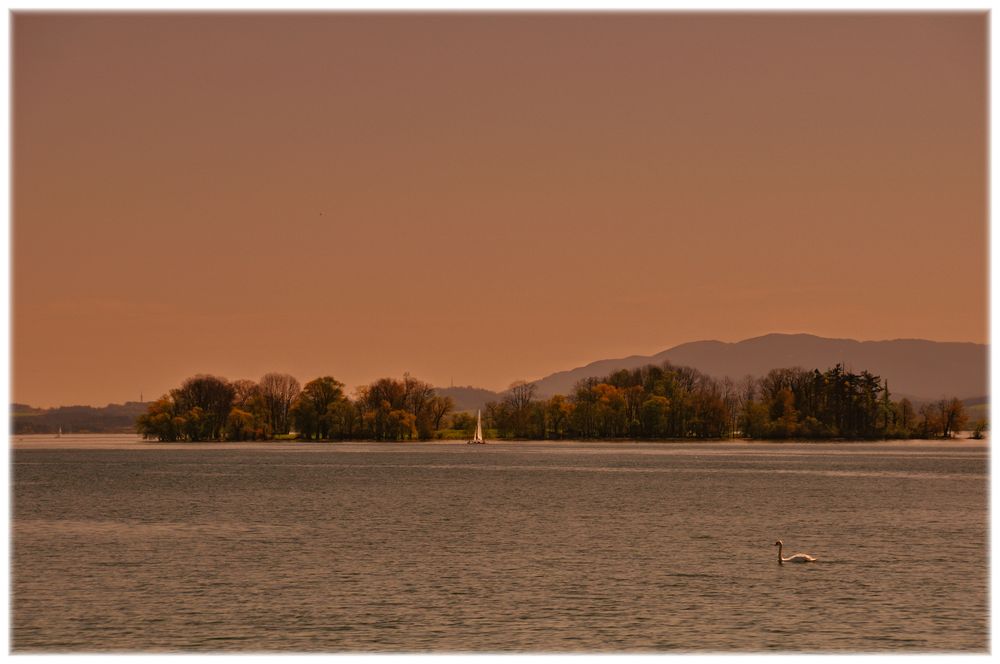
pixel 120 545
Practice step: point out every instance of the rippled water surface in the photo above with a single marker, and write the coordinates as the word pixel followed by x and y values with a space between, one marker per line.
pixel 122 545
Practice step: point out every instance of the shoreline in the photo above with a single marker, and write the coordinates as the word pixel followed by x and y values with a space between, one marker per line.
pixel 79 441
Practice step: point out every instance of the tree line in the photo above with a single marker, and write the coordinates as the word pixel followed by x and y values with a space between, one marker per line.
pixel 650 402
pixel 668 401
pixel 209 408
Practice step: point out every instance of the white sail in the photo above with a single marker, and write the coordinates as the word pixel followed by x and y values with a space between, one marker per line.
pixel 478 438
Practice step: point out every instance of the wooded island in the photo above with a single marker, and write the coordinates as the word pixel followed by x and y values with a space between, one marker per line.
pixel 652 402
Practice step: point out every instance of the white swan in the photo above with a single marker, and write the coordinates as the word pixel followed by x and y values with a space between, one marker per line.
pixel 797 558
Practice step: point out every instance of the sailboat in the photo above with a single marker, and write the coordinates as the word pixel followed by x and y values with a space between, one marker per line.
pixel 478 439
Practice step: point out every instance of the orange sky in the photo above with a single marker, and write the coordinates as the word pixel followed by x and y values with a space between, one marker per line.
pixel 482 198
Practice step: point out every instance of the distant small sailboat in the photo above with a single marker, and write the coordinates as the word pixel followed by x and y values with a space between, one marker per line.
pixel 59 435
pixel 478 438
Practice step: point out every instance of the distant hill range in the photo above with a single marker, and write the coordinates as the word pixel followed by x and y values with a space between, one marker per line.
pixel 113 418
pixel 468 398
pixel 920 369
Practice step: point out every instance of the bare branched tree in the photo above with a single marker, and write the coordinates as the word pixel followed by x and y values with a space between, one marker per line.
pixel 279 391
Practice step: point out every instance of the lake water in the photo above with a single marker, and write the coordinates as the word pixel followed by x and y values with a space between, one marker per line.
pixel 121 545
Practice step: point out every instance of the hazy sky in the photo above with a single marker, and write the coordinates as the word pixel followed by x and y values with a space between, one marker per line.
pixel 482 198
